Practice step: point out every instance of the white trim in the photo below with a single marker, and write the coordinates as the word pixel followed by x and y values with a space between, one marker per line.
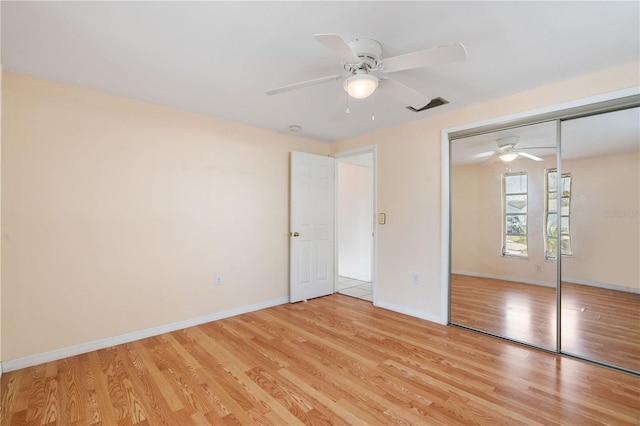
pixel 445 227
pixel 356 151
pixel 571 280
pixel 355 276
pixel 445 249
pixel 373 149
pixel 411 312
pixel 505 278
pixel 598 284
pixel 36 359
pixel 618 94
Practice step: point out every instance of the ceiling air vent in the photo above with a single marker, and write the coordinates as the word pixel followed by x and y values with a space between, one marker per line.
pixel 436 102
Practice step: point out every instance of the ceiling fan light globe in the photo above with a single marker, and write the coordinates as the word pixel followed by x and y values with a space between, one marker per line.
pixel 509 157
pixel 361 86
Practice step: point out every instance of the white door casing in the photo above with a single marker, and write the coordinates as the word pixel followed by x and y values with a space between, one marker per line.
pixel 312 226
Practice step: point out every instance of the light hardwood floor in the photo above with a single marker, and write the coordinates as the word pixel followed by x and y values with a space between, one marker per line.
pixel 597 323
pixel 333 360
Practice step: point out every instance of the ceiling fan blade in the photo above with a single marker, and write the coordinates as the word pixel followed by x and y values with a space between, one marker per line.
pixel 483 154
pixel 303 84
pixel 339 47
pixel 424 58
pixel 536 147
pixel 405 94
pixel 532 157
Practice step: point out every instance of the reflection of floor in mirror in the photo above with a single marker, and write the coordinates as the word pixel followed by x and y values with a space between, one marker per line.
pixel 597 323
pixel 355 288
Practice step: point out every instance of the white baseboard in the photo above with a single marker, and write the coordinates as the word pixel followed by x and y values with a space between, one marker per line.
pixel 31 360
pixel 580 281
pixel 571 280
pixel 410 311
pixel 505 278
pixel 356 276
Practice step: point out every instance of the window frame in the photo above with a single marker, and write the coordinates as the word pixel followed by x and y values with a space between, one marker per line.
pixel 548 255
pixel 505 215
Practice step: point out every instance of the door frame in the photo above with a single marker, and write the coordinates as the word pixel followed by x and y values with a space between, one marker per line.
pixel 369 149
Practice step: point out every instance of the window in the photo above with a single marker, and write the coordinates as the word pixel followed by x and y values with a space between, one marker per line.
pixel 551 215
pixel 514 241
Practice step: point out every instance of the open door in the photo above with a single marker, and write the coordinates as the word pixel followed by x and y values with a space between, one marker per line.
pixel 312 226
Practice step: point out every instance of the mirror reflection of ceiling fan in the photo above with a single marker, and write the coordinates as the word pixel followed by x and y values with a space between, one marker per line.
pixel 365 71
pixel 508 150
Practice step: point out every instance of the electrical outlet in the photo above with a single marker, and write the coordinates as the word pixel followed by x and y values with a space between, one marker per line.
pixel 415 278
pixel 218 279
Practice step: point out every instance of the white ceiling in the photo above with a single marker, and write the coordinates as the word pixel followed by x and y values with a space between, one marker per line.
pixel 219 58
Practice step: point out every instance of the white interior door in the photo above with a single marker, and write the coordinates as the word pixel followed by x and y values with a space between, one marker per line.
pixel 312 226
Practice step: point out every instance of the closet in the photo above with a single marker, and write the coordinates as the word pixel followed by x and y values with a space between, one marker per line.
pixel 544 232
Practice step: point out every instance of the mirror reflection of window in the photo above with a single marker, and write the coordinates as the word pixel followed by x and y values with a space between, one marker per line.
pixel 551 214
pixel 515 215
pixel 500 282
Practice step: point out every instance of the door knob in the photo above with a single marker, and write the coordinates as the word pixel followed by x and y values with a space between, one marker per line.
pixel 295 234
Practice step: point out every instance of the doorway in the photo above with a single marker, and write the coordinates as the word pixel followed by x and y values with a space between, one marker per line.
pixel 355 226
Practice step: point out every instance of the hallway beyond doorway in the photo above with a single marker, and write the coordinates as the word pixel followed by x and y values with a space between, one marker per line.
pixel 355 288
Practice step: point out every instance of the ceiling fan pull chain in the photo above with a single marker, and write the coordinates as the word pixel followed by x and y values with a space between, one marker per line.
pixel 347 95
pixel 373 106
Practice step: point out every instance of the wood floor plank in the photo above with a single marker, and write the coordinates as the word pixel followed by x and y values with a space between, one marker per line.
pixel 597 323
pixel 12 401
pixel 334 360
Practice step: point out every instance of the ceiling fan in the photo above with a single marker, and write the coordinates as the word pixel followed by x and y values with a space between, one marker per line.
pixel 508 150
pixel 365 71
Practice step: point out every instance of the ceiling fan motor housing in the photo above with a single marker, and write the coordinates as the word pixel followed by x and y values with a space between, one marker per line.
pixel 368 51
pixel 508 142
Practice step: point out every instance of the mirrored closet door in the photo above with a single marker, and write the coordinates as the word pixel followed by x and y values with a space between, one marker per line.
pixel 524 220
pixel 501 282
pixel 598 210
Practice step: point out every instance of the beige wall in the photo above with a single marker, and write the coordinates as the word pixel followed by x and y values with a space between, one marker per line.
pixel 604 221
pixel 605 206
pixel 118 214
pixel 409 185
